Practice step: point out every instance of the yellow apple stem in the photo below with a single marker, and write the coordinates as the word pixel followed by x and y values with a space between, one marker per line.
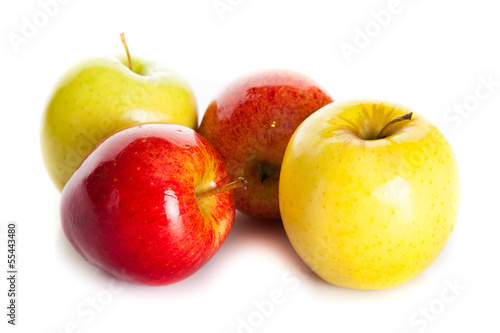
pixel 383 131
pixel 238 183
pixel 122 35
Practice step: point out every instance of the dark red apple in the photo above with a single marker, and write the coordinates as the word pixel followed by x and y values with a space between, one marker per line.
pixel 140 205
pixel 250 125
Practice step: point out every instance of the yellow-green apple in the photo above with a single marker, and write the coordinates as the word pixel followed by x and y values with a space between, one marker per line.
pixel 103 94
pixel 369 193
pixel 250 124
pixel 151 204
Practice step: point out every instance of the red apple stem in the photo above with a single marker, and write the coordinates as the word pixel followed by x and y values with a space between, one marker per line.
pixel 238 183
pixel 122 36
pixel 382 133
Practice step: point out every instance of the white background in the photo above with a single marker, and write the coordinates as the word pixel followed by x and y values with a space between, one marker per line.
pixel 432 56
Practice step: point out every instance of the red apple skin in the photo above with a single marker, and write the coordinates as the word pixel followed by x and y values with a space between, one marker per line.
pixel 250 125
pixel 131 210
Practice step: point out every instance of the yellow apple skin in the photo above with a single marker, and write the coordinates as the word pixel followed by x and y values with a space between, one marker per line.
pixel 102 95
pixel 368 213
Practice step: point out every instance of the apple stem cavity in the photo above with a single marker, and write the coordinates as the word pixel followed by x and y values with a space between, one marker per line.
pixel 266 171
pixel 122 36
pixel 383 132
pixel 238 183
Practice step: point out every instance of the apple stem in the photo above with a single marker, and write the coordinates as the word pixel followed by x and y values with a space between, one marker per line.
pixel 122 36
pixel 238 183
pixel 382 133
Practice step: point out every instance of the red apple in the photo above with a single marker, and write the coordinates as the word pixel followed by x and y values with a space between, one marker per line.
pixel 140 205
pixel 250 125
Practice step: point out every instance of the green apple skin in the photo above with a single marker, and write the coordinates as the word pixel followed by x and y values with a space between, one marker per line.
pixel 362 212
pixel 102 95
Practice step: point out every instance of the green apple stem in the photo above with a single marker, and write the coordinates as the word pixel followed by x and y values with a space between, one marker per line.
pixel 238 183
pixel 122 36
pixel 383 131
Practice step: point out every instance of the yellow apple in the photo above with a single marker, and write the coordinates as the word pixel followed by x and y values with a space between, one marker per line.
pixel 102 95
pixel 368 193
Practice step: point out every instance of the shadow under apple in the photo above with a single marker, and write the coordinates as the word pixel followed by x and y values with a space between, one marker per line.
pixel 252 232
pixel 247 235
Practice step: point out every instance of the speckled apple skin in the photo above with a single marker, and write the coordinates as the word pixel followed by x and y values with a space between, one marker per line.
pixel 101 95
pixel 131 210
pixel 363 212
pixel 251 122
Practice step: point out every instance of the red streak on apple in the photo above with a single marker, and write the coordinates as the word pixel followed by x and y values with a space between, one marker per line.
pixel 131 207
pixel 250 125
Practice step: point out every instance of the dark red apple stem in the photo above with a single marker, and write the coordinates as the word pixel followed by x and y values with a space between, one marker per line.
pixel 238 183
pixel 122 35
pixel 406 116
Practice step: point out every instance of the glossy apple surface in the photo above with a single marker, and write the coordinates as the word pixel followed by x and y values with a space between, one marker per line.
pixel 101 95
pixel 250 124
pixel 131 208
pixel 364 212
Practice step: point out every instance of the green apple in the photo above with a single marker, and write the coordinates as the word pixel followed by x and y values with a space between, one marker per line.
pixel 101 95
pixel 368 193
